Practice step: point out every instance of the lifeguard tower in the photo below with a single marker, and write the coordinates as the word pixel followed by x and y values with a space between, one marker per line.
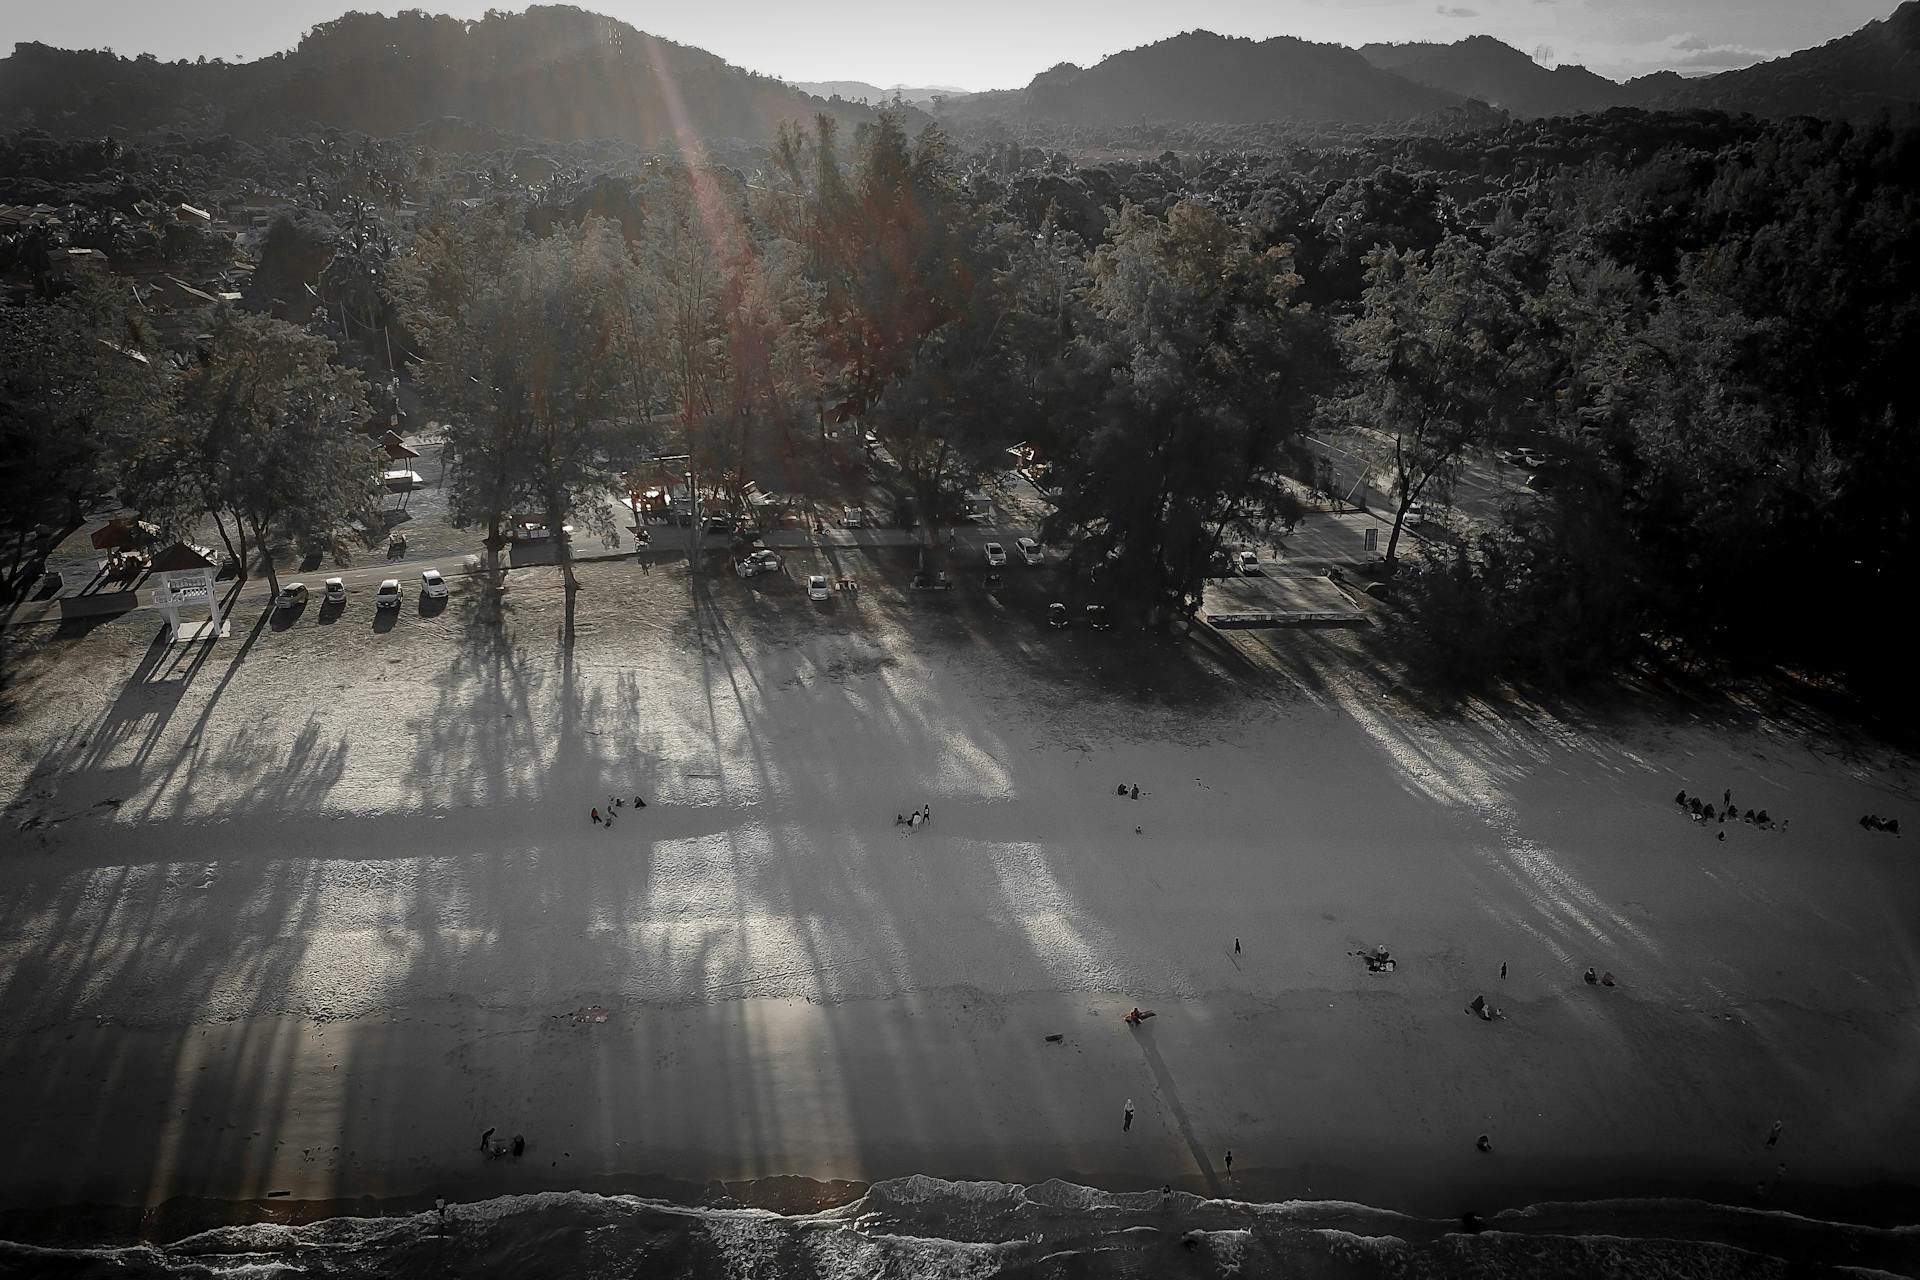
pixel 185 581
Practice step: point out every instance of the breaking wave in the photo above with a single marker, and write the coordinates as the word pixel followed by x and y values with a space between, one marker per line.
pixel 923 1227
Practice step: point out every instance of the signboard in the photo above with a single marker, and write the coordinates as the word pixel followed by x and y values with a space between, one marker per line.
pixel 1372 542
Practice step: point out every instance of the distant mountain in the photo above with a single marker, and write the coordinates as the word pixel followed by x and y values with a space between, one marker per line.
pixel 1502 76
pixel 861 91
pixel 1200 77
pixel 551 72
pixel 1875 69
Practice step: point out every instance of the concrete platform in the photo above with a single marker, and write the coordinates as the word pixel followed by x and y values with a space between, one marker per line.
pixel 1287 600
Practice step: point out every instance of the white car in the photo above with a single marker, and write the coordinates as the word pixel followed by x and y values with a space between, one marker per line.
pixel 853 518
pixel 432 585
pixel 1246 563
pixel 996 555
pixel 291 596
pixel 816 586
pixel 388 596
pixel 336 591
pixel 1029 550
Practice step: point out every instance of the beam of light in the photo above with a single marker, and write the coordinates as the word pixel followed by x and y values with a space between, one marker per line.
pixel 717 219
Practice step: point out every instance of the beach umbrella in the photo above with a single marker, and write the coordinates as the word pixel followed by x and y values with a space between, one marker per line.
pixel 124 532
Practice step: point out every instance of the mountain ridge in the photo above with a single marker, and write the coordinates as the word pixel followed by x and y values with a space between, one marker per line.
pixel 552 71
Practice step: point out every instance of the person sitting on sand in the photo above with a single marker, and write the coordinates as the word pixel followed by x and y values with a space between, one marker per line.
pixel 1590 977
pixel 1681 799
pixel 899 819
pixel 1762 819
pixel 1891 826
pixel 1134 1017
pixel 1485 1143
pixel 1479 1006
pixel 1606 979
pixel 1870 822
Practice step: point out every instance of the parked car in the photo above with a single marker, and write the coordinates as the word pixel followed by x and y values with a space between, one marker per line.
pixel 1416 514
pixel 853 518
pixel 758 562
pixel 1246 563
pixel 432 585
pixel 1097 617
pixel 388 596
pixel 816 586
pixel 1029 550
pixel 1057 616
pixel 291 596
pixel 336 591
pixel 996 556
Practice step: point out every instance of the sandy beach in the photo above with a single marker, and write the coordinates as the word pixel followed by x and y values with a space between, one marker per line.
pixel 308 913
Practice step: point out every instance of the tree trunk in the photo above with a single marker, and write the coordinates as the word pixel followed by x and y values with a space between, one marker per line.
pixel 495 578
pixel 273 575
pixel 1399 520
pixel 239 554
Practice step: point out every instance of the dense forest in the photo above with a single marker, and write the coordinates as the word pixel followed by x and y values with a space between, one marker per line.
pixel 1712 318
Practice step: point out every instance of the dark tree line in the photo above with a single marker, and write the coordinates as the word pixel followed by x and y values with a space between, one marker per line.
pixel 1711 319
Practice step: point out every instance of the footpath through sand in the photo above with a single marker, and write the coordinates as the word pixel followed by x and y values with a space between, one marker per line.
pixel 309 920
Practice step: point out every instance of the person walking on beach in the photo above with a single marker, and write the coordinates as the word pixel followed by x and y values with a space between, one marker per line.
pixel 1773 1134
pixel 1126 1121
pixel 1136 791
pixel 1229 1162
pixel 486 1137
pixel 926 813
pixel 1236 946
pixel 596 817
pixel 1503 968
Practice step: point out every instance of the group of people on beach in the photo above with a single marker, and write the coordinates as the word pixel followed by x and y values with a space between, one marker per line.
pixel 1874 822
pixel 494 1150
pixel 613 802
pixel 1703 811
pixel 914 821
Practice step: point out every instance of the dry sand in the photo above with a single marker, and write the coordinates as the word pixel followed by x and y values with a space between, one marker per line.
pixel 307 920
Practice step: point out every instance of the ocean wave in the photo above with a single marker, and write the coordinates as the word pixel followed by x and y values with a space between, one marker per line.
pixel 932 1229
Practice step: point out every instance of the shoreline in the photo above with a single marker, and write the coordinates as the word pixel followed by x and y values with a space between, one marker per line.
pixel 1663 1214
pixel 663 1102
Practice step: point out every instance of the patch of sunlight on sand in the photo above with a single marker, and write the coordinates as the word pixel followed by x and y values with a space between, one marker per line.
pixel 1440 771
pixel 1059 931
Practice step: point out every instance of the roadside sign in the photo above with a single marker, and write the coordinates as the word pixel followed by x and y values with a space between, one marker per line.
pixel 1372 539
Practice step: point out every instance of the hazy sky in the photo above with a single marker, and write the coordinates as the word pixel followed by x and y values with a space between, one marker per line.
pixel 995 44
